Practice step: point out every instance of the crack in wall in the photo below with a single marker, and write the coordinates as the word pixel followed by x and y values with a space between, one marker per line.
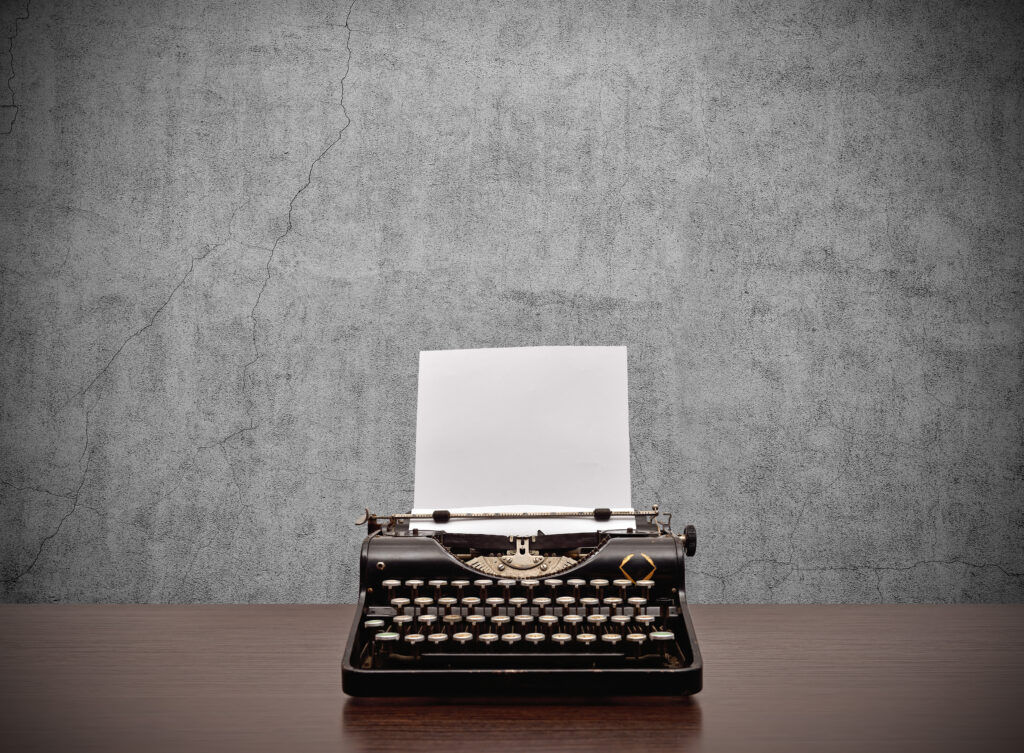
pixel 289 226
pixel 10 52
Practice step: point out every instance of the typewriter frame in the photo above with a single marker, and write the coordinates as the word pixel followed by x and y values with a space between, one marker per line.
pixel 407 549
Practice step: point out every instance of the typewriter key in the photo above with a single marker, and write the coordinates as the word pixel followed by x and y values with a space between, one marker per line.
pixel 541 602
pixel 437 638
pixel 597 619
pixel 386 637
pixel 535 638
pixel 482 584
pixel 462 638
pixel 663 639
pixel 613 602
pixel 489 639
pixel 572 622
pixel 622 584
pixel 599 583
pixel 548 621
pixel 494 602
pixel 447 603
pixel 506 584
pixel 427 619
pixel 475 621
pixel 460 584
pixel 529 584
pixel 422 602
pixel 517 602
pixel 437 585
pixel 413 585
pixel 645 620
pixel 471 602
pixel 589 603
pixel 620 620
pixel 402 622
pixel 390 586
pixel 561 639
pixel 382 643
pixel 646 585
pixel 635 640
pixel 399 603
pixel 586 639
pixel 523 619
pixel 565 602
pixel 576 584
pixel 637 602
pixel 414 640
pixel 374 624
pixel 501 619
pixel 511 639
pixel 553 584
pixel 451 620
pixel 612 639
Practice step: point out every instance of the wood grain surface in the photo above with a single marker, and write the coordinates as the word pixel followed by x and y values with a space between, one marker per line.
pixel 267 678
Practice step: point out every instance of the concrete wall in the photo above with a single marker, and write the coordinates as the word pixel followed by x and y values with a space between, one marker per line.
pixel 228 229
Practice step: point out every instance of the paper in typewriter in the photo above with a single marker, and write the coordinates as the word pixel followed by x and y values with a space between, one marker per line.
pixel 523 429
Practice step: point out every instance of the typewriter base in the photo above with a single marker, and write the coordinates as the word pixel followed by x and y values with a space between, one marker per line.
pixel 642 677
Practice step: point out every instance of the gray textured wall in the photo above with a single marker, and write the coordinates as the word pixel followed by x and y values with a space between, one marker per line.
pixel 228 228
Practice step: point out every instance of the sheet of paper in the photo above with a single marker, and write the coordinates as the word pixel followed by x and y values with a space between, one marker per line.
pixel 523 429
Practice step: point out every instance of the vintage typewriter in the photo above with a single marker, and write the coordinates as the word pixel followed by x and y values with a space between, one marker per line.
pixel 593 613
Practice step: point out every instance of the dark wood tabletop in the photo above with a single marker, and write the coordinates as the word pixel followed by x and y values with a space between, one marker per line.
pixel 255 678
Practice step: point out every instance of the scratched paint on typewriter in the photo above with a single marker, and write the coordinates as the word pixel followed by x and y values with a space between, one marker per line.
pixel 523 567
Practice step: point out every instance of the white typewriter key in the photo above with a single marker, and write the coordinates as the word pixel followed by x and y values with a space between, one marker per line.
pixel 494 602
pixel 437 583
pixel 506 582
pixel 645 620
pixel 414 640
pixel 548 621
pixel 541 602
pixel 573 621
pixel 374 624
pixel 475 621
pixel 518 602
pixel 483 582
pixel 597 619
pixel 500 621
pixel 390 586
pixel 635 640
pixel 447 602
pixel 561 639
pixel 663 635
pixel 400 603
pixel 511 638
pixel 386 637
pixel 565 601
pixel 462 638
pixel 437 638
pixel 451 620
pixel 598 582
pixel 576 584
pixel 622 585
pixel 471 602
pixel 589 603
pixel 413 585
pixel 402 621
pixel 460 584
pixel 645 584
pixel 613 602
pixel 587 639
pixel 422 602
pixel 637 602
pixel 535 638
pixel 427 619
pixel 612 639
pixel 523 619
pixel 529 583
pixel 552 582
pixel 620 619
pixel 489 639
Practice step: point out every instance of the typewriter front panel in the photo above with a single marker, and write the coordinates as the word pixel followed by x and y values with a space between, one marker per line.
pixel 612 622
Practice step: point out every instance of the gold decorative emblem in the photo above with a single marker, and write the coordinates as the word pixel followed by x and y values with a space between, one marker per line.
pixel 636 563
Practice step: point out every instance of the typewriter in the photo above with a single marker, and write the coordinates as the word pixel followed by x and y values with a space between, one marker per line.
pixel 593 613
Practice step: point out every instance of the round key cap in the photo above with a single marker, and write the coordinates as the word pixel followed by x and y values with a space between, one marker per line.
pixel 427 619
pixel 561 638
pixel 598 582
pixel 495 601
pixel 565 601
pixel 402 619
pixel 552 582
pixel 488 638
pixel 500 620
pixel 422 602
pixel 506 582
pixel 637 602
pixel 391 583
pixel 518 602
pixel 611 638
pixel 447 602
pixel 437 583
pixel 414 638
pixel 586 638
pixel 645 620
pixel 663 635
pixel 511 638
pixel 437 638
pixel 576 582
pixel 451 619
pixel 645 584
pixel 620 619
pixel 386 637
pixel 523 619
pixel 475 619
pixel 573 620
pixel 597 619
pixel 460 583
pixel 547 620
pixel 636 638
pixel 374 624
pixel 622 583
pixel 535 638
pixel 589 602
pixel 400 603
pixel 483 582
pixel 413 583
pixel 613 602
pixel 529 583
pixel 462 638
pixel 470 601
pixel 541 601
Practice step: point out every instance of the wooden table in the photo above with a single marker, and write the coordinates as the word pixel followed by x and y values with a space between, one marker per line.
pixel 254 678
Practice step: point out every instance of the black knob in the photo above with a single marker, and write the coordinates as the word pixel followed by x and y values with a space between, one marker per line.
pixel 690 534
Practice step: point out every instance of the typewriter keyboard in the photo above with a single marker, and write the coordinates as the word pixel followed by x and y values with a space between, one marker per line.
pixel 574 622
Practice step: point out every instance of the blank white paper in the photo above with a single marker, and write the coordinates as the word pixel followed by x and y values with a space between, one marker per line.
pixel 521 429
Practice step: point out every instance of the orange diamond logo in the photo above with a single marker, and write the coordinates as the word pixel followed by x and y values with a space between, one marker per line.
pixel 634 565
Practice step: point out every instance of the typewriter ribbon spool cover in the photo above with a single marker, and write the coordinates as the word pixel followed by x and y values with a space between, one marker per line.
pixel 523 566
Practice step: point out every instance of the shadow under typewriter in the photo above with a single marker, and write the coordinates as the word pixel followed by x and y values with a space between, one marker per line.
pixel 611 619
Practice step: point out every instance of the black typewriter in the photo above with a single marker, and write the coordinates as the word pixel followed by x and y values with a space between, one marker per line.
pixel 596 613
